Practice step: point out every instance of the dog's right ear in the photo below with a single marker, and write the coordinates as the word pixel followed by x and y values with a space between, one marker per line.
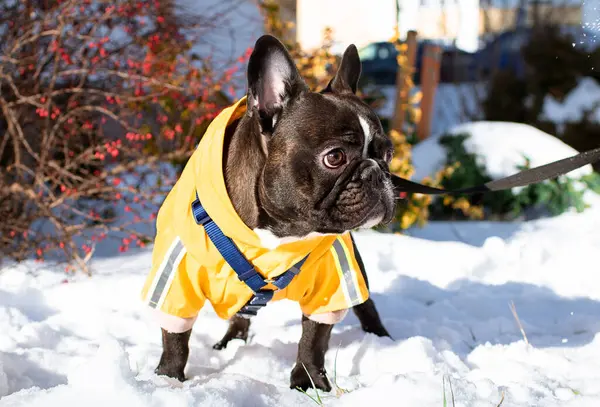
pixel 273 80
pixel 348 74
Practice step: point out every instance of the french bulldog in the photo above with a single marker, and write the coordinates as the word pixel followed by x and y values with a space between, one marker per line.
pixel 297 164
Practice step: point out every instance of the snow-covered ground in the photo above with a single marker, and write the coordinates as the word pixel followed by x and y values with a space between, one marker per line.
pixel 87 341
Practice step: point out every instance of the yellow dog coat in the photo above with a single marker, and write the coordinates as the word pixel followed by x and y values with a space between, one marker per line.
pixel 187 269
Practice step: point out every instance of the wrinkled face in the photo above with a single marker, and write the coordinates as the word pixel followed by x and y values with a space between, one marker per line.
pixel 327 165
pixel 326 155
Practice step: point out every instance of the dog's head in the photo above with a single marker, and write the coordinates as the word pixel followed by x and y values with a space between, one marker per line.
pixel 326 154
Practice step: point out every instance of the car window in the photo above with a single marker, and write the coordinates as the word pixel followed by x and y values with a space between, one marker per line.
pixel 383 53
pixel 367 53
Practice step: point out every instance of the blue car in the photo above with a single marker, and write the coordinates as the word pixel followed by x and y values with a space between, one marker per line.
pixel 379 64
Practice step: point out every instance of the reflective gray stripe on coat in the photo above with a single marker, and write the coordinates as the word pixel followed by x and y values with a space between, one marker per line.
pixel 165 272
pixel 347 273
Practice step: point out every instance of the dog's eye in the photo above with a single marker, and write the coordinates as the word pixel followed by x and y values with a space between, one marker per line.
pixel 335 158
pixel 389 154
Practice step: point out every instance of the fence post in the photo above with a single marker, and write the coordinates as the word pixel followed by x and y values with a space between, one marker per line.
pixel 401 88
pixel 430 76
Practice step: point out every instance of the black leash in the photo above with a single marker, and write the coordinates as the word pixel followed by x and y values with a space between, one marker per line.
pixel 520 179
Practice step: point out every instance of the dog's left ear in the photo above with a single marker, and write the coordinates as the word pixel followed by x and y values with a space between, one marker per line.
pixel 346 78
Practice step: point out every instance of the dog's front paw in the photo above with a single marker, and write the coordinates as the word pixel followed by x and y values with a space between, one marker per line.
pixel 300 378
pixel 174 373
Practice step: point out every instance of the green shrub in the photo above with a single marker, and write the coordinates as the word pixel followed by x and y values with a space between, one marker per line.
pixel 554 196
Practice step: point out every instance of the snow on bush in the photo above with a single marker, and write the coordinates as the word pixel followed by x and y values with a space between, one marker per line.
pixel 476 153
pixel 584 98
pixel 500 146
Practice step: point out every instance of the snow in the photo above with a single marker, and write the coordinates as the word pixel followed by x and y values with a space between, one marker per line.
pixel 585 97
pixel 443 292
pixel 500 146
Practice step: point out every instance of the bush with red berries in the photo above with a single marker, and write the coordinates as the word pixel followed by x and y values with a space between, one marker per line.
pixel 101 103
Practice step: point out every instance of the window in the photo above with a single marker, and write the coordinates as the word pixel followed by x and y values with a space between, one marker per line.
pixel 383 53
pixel 367 53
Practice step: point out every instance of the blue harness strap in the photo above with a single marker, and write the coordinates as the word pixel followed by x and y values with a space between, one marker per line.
pixel 242 267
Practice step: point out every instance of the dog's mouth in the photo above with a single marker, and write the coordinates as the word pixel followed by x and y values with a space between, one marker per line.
pixel 362 198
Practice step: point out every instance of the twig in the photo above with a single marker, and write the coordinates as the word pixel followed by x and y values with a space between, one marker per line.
pixel 514 312
pixel 501 400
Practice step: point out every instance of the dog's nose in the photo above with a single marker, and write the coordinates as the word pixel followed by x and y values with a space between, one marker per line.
pixel 371 173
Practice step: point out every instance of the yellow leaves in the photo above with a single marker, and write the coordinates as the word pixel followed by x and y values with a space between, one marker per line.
pixel 446 172
pixel 416 98
pixel 416 211
pixel 476 212
pixel 397 137
pixel 414 208
pixel 417 115
pixel 461 203
pixel 400 163
pixel 408 219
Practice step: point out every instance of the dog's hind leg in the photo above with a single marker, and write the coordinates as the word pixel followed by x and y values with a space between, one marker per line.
pixel 175 354
pixel 367 312
pixel 238 329
pixel 369 318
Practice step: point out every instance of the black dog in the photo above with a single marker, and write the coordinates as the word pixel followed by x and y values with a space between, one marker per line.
pixel 300 170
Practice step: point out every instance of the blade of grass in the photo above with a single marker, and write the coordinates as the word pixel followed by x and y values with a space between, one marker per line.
pixel 451 392
pixel 444 390
pixel 313 385
pixel 335 364
pixel 338 390
pixel 309 396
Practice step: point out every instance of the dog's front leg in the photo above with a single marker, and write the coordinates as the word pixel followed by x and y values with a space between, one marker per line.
pixel 310 362
pixel 175 354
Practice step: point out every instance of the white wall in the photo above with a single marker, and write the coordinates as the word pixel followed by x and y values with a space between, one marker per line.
pixel 363 21
pixel 468 38
pixel 461 22
pixel 353 21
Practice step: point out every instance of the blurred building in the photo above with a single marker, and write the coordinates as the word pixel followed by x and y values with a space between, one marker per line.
pixel 461 22
pixel 499 19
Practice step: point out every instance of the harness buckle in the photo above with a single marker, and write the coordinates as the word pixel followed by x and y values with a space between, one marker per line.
pixel 200 215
